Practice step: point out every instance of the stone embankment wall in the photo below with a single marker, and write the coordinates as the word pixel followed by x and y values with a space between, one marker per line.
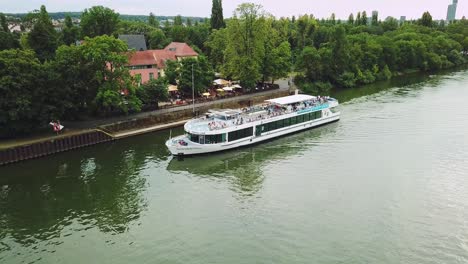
pixel 52 146
pixel 185 114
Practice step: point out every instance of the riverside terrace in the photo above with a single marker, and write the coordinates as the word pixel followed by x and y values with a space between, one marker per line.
pixel 221 119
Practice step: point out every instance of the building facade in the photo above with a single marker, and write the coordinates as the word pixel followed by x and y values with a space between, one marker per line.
pixel 452 11
pixel 150 64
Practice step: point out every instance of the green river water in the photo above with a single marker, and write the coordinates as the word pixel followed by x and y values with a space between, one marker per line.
pixel 388 183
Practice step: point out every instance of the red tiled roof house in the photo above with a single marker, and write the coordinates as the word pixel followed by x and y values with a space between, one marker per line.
pixel 150 64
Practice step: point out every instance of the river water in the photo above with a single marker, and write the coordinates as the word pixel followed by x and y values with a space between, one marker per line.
pixel 388 183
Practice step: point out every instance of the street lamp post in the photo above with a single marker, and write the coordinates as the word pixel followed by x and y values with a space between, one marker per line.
pixel 193 94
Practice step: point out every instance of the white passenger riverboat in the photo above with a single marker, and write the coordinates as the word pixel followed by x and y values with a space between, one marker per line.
pixel 220 130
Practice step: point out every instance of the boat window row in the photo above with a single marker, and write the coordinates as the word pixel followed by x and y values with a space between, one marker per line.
pixel 239 134
pixel 207 139
pixel 287 122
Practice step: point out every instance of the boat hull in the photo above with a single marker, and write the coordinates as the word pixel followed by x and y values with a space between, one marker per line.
pixel 196 149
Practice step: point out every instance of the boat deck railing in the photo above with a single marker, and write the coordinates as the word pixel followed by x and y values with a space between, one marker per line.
pixel 255 113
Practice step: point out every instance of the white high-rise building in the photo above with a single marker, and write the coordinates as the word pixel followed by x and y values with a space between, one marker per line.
pixel 452 10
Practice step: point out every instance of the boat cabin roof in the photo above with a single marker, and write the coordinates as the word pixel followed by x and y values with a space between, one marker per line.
pixel 287 100
pixel 224 112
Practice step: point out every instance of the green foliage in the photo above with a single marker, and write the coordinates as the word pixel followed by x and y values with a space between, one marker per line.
pixel 171 71
pixel 178 21
pixel 426 20
pixel 375 19
pixel 98 21
pixel 306 26
pixel 75 75
pixel 216 46
pixel 24 87
pixel 157 39
pixel 43 37
pixel 245 45
pixel 3 23
pixel 251 40
pixel 217 20
pixel 178 33
pixel 109 59
pixel 384 74
pixel 8 40
pixel 70 33
pixel 351 19
pixel 363 21
pixel 390 24
pixel 198 35
pixel 153 91
pixel 152 21
pixel 203 75
pixel 92 78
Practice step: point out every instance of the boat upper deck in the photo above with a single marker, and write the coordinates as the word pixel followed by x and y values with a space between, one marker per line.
pixel 216 120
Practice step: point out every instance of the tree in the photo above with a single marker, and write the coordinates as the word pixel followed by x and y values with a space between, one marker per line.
pixel 333 19
pixel 98 21
pixel 277 57
pixel 390 24
pixel 364 18
pixel 351 19
pixel 340 48
pixel 310 64
pixel 217 20
pixel 178 33
pixel 3 23
pixel 153 92
pixel 306 27
pixel 23 87
pixel 216 46
pixel 246 36
pixel 76 78
pixel 465 45
pixel 8 40
pixel 178 21
pixel 197 36
pixel 426 19
pixel 115 91
pixel 375 19
pixel 188 22
pixel 358 19
pixel 157 39
pixel 152 21
pixel 202 75
pixel 43 37
pixel 69 32
pixel 171 71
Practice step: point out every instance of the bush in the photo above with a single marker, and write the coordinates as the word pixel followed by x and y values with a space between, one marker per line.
pixel 347 79
pixel 384 74
pixel 322 88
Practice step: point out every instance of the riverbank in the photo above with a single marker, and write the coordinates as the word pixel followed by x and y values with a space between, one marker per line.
pixel 99 131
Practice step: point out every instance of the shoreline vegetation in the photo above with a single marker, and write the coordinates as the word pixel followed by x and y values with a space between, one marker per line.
pixel 45 75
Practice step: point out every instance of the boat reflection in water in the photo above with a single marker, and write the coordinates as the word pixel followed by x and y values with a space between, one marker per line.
pixel 244 168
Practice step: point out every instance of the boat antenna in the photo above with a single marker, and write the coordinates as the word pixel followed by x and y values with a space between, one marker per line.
pixel 193 93
pixel 170 134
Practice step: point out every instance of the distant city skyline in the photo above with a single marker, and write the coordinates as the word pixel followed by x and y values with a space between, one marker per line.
pixel 202 8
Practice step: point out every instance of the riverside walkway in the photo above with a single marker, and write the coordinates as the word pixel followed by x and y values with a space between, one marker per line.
pixel 283 86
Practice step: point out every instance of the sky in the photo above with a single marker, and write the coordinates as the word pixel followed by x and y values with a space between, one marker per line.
pixel 279 8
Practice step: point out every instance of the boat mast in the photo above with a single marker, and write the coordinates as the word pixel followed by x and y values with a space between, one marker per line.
pixel 193 94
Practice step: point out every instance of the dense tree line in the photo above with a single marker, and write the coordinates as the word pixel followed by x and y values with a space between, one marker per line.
pixel 44 75
pixel 359 52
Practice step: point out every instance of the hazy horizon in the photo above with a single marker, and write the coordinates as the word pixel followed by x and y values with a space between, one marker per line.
pixel 396 8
